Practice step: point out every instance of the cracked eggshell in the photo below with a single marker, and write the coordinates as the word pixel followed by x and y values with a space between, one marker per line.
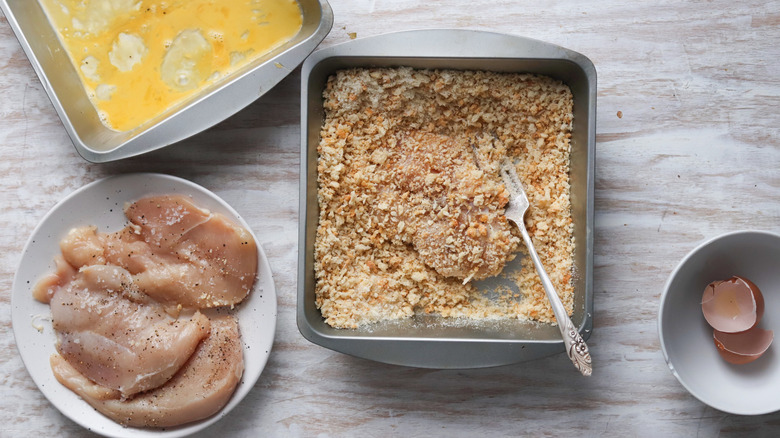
pixel 744 347
pixel 733 305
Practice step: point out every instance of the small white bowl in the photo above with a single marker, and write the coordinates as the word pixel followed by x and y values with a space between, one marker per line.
pixel 686 338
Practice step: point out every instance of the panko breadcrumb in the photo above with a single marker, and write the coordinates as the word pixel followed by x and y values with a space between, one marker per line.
pixel 411 202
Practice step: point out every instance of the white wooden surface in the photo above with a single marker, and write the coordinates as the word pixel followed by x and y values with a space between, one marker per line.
pixel 695 153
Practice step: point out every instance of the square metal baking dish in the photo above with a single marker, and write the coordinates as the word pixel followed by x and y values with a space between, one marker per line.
pixel 429 341
pixel 97 143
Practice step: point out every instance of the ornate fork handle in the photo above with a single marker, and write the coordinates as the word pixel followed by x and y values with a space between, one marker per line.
pixel 575 345
pixel 572 340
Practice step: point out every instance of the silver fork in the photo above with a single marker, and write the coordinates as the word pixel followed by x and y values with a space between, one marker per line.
pixel 515 211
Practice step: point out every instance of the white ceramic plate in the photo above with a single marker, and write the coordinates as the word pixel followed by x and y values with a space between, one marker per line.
pixel 101 203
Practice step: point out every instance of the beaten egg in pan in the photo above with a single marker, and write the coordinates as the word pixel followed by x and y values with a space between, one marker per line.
pixel 137 58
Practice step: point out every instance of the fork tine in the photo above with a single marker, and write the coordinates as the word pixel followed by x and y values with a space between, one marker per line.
pixel 512 182
pixel 476 155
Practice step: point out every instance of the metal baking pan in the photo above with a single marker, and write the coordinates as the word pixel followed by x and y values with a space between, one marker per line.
pixel 426 341
pixel 97 143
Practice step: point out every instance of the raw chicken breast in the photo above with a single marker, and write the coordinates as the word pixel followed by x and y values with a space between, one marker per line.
pixel 215 261
pixel 117 336
pixel 126 312
pixel 165 220
pixel 179 254
pixel 84 246
pixel 202 387
pixel 50 283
